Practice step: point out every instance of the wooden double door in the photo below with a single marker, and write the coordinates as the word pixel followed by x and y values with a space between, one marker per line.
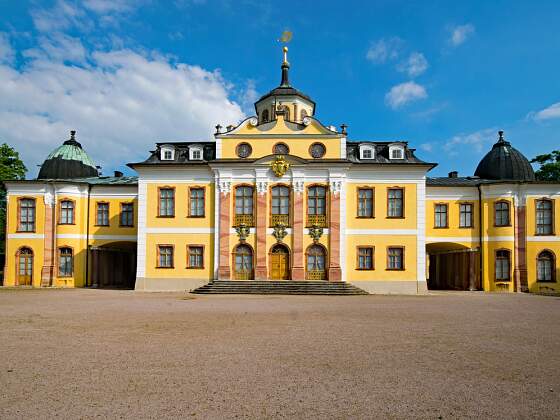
pixel 280 263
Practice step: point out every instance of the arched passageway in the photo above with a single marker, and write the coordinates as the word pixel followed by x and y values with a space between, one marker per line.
pixel 453 266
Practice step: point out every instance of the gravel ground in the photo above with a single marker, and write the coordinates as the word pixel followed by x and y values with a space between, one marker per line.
pixel 121 354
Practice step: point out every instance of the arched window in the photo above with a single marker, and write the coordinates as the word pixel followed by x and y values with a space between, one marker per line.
pixel 265 116
pixel 546 267
pixel 502 265
pixel 317 206
pixel 65 262
pixel 243 262
pixel 501 213
pixel 316 260
pixel 244 205
pixel 66 212
pixel 24 258
pixel 544 217
pixel 280 206
pixel 303 114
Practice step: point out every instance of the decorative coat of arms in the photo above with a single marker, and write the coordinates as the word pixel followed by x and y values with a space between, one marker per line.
pixel 280 166
pixel 243 231
pixel 315 232
pixel 279 232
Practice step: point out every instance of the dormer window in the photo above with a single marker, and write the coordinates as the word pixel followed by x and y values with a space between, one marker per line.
pixel 167 153
pixel 195 153
pixel 396 151
pixel 367 151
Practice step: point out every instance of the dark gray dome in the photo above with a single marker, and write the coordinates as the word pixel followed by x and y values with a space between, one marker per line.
pixel 68 161
pixel 505 162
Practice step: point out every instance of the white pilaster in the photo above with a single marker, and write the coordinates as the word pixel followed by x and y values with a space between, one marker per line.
pixel 142 218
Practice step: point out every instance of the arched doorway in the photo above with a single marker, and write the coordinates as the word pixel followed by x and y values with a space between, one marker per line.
pixel 453 266
pixel 316 257
pixel 24 270
pixel 243 262
pixel 279 262
pixel 113 265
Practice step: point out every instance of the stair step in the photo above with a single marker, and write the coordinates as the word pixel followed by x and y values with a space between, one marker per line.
pixel 279 287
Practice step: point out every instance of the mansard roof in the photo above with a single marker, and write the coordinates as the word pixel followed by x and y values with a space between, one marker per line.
pixel 381 155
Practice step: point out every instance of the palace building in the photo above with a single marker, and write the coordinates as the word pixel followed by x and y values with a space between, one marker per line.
pixel 281 196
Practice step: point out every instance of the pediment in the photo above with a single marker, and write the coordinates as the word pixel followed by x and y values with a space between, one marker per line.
pixel 292 160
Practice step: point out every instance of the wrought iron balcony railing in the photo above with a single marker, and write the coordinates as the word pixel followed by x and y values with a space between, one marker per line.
pixel 317 220
pixel 244 219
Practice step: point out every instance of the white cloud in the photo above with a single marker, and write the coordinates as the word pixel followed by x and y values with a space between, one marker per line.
pixel 459 34
pixel 405 93
pixel 415 65
pixel 384 50
pixel 58 47
pixel 478 141
pixel 249 96
pixel 60 17
pixel 549 113
pixel 120 104
pixel 7 53
pixel 108 6
pixel 427 147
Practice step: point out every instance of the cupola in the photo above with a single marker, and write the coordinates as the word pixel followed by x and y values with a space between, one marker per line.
pixel 504 162
pixel 68 161
pixel 285 99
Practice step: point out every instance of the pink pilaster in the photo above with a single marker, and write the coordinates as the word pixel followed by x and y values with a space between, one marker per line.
pixel 224 270
pixel 335 273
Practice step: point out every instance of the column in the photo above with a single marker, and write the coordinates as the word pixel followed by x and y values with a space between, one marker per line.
pixel 520 252
pixel 47 271
pixel 298 271
pixel 261 271
pixel 335 273
pixel 224 270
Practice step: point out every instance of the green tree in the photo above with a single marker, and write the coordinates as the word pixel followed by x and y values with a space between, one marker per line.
pixel 11 167
pixel 550 166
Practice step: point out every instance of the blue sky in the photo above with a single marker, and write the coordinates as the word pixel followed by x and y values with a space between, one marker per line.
pixel 445 76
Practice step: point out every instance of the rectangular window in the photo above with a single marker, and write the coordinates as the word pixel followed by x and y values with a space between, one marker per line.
pixel 65 262
pixel 440 212
pixel 502 265
pixel 166 202
pixel 465 215
pixel 127 215
pixel 196 203
pixel 365 202
pixel 365 258
pixel 26 215
pixel 165 256
pixel 501 213
pixel 395 258
pixel 395 202
pixel 102 218
pixel 66 213
pixel 244 205
pixel 544 217
pixel 195 256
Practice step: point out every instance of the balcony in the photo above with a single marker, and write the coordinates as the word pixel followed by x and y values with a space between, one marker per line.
pixel 243 275
pixel 317 220
pixel 316 275
pixel 243 219
pixel 279 219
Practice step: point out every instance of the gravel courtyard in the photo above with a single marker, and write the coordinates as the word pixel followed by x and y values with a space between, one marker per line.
pixel 123 354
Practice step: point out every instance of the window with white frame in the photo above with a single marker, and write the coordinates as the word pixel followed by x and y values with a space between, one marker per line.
pixel 167 153
pixel 367 151
pixel 195 153
pixel 396 151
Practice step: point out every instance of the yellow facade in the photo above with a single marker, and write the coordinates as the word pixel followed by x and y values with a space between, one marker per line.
pixel 351 237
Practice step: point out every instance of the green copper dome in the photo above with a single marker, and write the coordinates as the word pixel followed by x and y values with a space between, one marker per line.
pixel 68 161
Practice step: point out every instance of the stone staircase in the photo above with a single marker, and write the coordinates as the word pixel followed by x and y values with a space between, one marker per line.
pixel 286 287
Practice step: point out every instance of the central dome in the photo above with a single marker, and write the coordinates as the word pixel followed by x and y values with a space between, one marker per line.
pixel 505 162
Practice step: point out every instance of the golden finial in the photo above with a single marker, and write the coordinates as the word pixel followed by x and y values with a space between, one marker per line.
pixel 285 49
